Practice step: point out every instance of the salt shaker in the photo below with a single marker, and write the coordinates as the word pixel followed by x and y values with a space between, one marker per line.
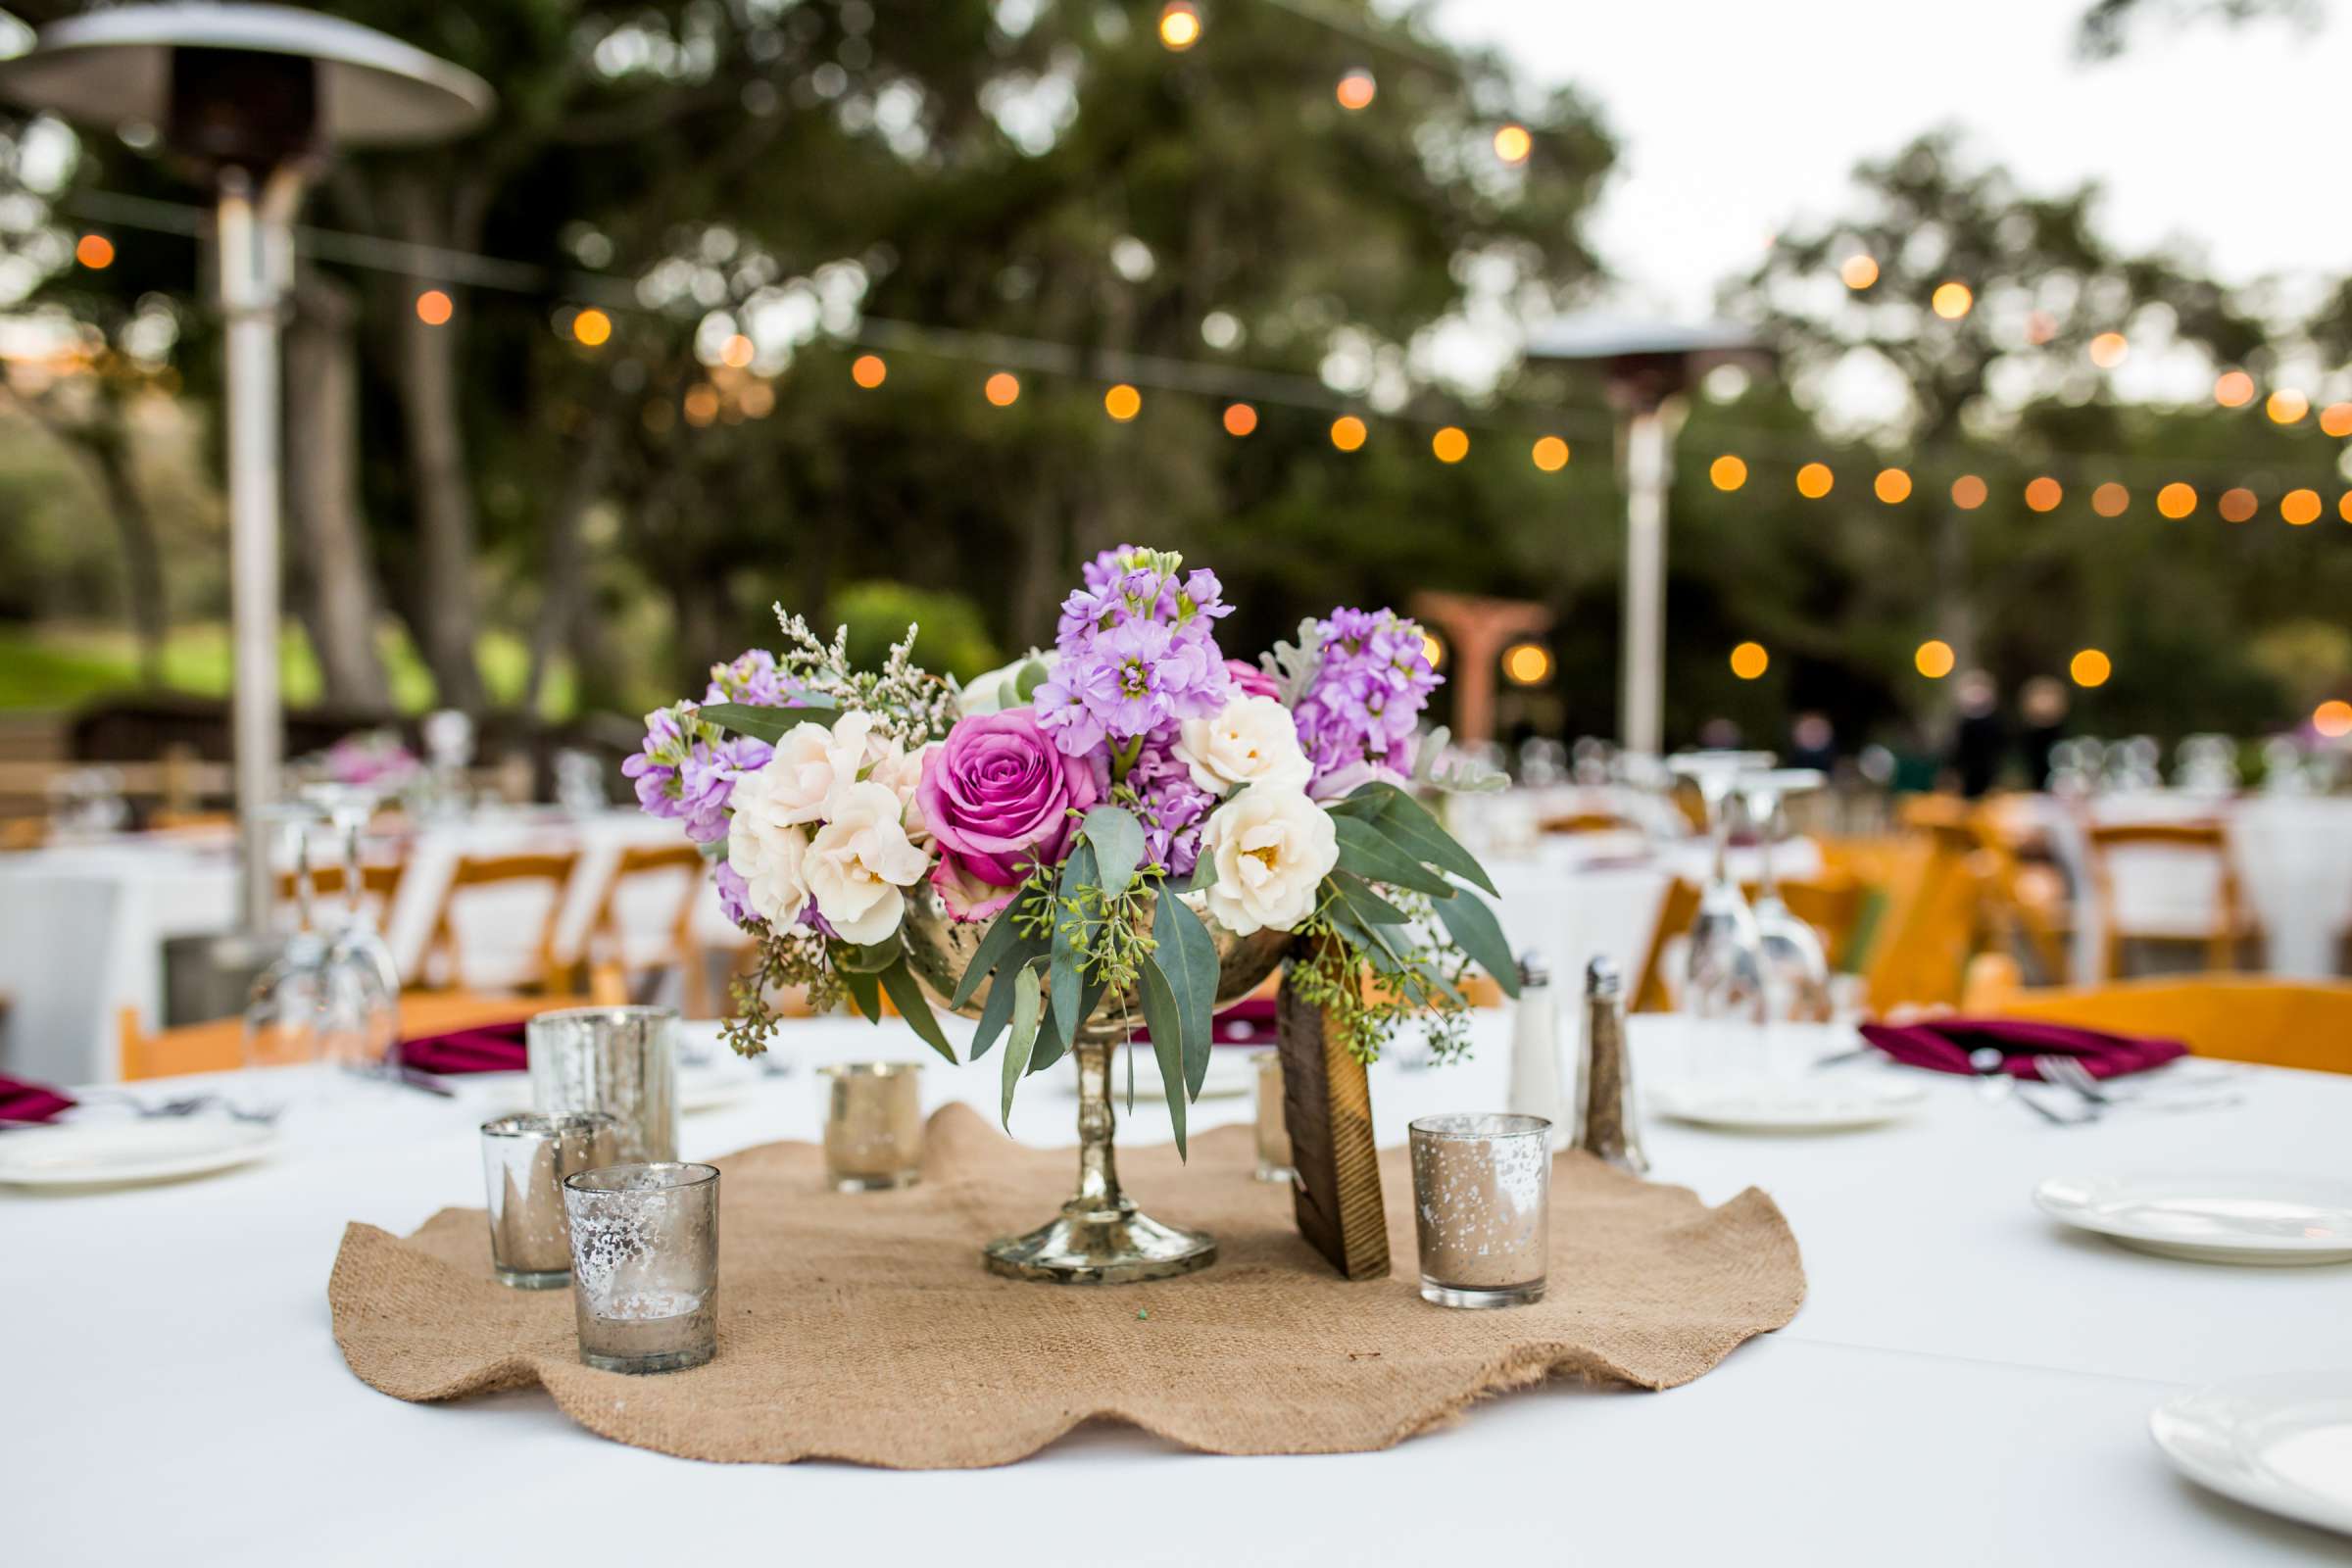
pixel 1535 1087
pixel 1605 1122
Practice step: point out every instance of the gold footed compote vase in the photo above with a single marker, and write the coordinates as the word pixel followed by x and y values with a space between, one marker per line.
pixel 1100 1237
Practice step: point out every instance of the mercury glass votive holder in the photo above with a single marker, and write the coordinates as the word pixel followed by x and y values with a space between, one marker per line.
pixel 622 1062
pixel 1273 1126
pixel 1482 1207
pixel 524 1160
pixel 873 1125
pixel 645 1265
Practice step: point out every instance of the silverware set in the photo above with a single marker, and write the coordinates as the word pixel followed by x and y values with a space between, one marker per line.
pixel 182 1105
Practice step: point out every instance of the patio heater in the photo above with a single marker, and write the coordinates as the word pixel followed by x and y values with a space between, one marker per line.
pixel 1648 366
pixel 251 99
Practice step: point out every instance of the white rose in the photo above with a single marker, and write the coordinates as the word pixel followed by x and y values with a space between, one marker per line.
pixel 769 853
pixel 859 860
pixel 1000 688
pixel 899 771
pixel 1272 848
pixel 1250 741
pixel 812 763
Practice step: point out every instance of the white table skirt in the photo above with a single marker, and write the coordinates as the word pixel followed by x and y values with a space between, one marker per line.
pixel 1966 1383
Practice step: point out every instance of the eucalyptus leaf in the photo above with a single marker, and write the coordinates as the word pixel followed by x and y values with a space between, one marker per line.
pixel 1477 932
pixel 1372 943
pixel 1364 903
pixel 1071 944
pixel 865 991
pixel 768 724
pixel 1028 1010
pixel 871 959
pixel 1027 679
pixel 907 994
pixel 1369 852
pixel 1166 1023
pixel 1408 822
pixel 1117 840
pixel 1187 957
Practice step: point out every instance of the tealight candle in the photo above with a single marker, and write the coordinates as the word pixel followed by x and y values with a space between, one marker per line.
pixel 1482 1206
pixel 873 1125
pixel 1273 1125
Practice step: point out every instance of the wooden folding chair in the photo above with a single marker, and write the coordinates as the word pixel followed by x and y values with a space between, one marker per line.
pixel 2233 924
pixel 2275 1024
pixel 474 872
pixel 1588 823
pixel 1832 906
pixel 607 951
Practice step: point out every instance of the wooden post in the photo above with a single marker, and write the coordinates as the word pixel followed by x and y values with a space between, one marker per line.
pixel 1326 1104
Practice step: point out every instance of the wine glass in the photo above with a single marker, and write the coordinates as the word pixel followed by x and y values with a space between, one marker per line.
pixel 360 980
pixel 1724 970
pixel 286 1007
pixel 1796 971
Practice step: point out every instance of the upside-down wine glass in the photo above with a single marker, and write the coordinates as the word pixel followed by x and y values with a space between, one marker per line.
pixel 1797 970
pixel 1722 971
pixel 362 977
pixel 285 1011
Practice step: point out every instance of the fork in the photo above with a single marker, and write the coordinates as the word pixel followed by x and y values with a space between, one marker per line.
pixel 2070 1073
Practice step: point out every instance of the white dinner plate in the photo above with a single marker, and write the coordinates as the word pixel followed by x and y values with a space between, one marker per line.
pixel 2264 1217
pixel 1816 1105
pixel 1232 1073
pixel 2282 1443
pixel 130 1153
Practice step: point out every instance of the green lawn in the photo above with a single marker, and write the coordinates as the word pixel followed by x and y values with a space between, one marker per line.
pixel 51 668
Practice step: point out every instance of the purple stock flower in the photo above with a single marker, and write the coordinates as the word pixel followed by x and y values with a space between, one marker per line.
pixel 734 897
pixel 1170 805
pixel 691 781
pixel 1137 652
pixel 749 677
pixel 1358 718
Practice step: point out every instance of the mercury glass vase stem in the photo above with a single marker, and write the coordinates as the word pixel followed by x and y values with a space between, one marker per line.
pixel 1098 1152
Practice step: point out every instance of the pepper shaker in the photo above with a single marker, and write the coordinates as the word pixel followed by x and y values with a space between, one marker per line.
pixel 1605 1121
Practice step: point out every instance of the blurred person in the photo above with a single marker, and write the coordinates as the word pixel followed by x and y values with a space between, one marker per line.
pixel 1813 742
pixel 2043 704
pixel 1980 741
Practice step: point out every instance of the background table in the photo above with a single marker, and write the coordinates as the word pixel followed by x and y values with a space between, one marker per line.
pixel 1967 1383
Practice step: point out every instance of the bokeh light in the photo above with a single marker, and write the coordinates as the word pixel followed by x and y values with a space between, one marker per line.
pixel 2237 505
pixel 1512 144
pixel 1813 480
pixel 1001 388
pixel 1356 90
pixel 1434 646
pixel 868 371
pixel 2044 493
pixel 2336 419
pixel 1968 492
pixel 1892 485
pixel 2333 718
pixel 1858 273
pixel 1452 444
pixel 1527 664
pixel 95 252
pixel 2108 350
pixel 592 328
pixel 736 352
pixel 1240 419
pixel 2110 500
pixel 1934 658
pixel 2091 667
pixel 2177 500
pixel 433 307
pixel 1550 454
pixel 1951 300
pixel 2302 508
pixel 702 402
pixel 2233 389
pixel 1179 24
pixel 1728 472
pixel 1348 432
pixel 1122 403
pixel 2286 406
pixel 1749 661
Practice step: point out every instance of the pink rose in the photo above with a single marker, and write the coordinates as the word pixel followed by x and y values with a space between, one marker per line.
pixel 997 795
pixel 1253 681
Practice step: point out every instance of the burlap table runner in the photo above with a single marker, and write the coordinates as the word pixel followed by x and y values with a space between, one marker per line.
pixel 862 1327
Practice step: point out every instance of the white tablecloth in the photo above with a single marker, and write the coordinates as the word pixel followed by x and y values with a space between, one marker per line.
pixel 2292 853
pixel 1966 1383
pixel 83 927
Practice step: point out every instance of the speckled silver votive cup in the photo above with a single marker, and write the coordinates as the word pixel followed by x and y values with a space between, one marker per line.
pixel 873 1125
pixel 645 1265
pixel 620 1061
pixel 1273 1125
pixel 524 1160
pixel 1481 1207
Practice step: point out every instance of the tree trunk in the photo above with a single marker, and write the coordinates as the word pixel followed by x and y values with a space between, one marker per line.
pixel 563 621
pixel 425 363
pixel 335 595
pixel 107 441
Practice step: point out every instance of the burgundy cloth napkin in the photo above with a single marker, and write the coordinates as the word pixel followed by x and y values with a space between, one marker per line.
pixel 1942 1044
pixel 1247 1022
pixel 485 1047
pixel 24 1102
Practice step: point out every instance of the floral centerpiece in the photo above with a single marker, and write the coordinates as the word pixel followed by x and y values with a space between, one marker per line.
pixel 1122 831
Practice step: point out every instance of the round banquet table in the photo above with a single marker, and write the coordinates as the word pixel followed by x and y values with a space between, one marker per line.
pixel 1965 1384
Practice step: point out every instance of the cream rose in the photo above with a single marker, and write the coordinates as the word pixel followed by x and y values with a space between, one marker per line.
pixel 901 772
pixel 1250 741
pixel 813 763
pixel 768 850
pixel 860 862
pixel 1272 847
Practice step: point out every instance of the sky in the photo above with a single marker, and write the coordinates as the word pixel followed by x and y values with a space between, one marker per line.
pixel 1734 117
